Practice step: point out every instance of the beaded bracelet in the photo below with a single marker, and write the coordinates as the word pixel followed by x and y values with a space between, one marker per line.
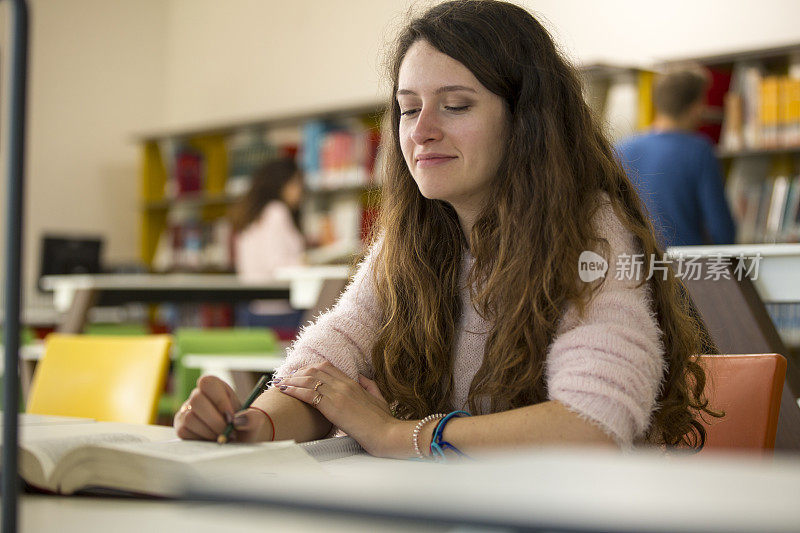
pixel 418 427
pixel 438 446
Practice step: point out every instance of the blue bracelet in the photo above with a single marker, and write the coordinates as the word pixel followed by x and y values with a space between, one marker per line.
pixel 438 446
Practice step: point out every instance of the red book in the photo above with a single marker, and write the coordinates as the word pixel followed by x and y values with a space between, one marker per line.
pixel 188 171
pixel 715 97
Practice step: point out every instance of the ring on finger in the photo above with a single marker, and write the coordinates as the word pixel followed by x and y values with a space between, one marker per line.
pixel 185 408
pixel 316 400
pixel 319 383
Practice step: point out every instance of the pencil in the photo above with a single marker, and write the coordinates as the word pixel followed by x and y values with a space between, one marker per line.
pixel 258 389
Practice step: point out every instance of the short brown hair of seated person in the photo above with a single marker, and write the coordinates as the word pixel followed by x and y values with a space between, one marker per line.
pixel 677 89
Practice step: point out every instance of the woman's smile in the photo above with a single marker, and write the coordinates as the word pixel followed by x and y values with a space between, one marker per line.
pixel 432 160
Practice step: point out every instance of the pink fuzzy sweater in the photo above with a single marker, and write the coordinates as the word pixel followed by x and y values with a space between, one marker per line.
pixel 606 366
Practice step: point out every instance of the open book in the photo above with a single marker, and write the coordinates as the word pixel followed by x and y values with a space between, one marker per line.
pixel 69 457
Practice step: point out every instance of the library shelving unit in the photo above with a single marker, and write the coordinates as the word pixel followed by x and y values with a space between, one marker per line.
pixel 754 120
pixel 620 97
pixel 191 177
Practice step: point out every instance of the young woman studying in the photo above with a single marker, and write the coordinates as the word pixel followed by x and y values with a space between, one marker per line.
pixel 468 325
pixel 267 238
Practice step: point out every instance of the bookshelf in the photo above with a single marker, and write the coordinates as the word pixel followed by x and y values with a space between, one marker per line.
pixel 619 96
pixel 755 123
pixel 190 178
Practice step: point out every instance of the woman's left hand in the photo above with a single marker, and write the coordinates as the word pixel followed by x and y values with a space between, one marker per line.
pixel 358 409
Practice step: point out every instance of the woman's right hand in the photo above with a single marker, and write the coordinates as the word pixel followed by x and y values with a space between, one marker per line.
pixel 211 405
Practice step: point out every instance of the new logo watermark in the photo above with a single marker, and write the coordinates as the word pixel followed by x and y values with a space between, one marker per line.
pixel 591 266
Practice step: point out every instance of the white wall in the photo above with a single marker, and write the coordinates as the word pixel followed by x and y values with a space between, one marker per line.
pixel 646 31
pixel 245 58
pixel 96 72
pixel 102 70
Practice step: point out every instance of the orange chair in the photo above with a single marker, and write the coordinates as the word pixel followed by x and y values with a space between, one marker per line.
pixel 748 389
pixel 113 379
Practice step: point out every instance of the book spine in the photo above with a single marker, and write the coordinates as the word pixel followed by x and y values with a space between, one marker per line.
pixel 188 171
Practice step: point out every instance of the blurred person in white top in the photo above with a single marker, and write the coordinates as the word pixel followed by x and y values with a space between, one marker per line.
pixel 268 237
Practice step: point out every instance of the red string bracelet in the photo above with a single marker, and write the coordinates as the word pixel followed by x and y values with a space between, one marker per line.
pixel 271 423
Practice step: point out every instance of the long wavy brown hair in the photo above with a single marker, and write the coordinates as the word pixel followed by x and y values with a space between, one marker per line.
pixel 268 182
pixel 526 241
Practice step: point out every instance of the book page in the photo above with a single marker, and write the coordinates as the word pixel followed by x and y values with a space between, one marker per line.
pixel 192 451
pixel 39 456
pixel 56 431
pixel 50 451
pixel 211 459
pixel 167 468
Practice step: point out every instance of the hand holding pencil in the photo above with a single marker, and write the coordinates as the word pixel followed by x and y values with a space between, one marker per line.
pixel 255 393
pixel 213 411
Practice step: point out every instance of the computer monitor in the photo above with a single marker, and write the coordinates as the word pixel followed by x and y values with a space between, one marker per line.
pixel 66 254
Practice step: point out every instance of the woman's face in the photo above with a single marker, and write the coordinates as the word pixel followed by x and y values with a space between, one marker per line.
pixel 452 128
pixel 292 192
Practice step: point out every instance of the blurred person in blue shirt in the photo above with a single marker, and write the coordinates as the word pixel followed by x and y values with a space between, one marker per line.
pixel 675 170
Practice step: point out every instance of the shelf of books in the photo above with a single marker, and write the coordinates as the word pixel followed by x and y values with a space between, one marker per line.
pixel 755 98
pixel 192 177
pixel 619 96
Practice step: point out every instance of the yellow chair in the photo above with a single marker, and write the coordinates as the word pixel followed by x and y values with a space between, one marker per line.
pixel 116 379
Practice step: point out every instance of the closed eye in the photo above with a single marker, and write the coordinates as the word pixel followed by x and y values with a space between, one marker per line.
pixel 454 109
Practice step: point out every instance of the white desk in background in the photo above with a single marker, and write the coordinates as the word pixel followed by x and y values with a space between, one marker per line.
pixel 75 294
pixel 236 370
pixel 28 352
pixel 29 355
pixel 778 277
pixel 308 282
pixel 212 363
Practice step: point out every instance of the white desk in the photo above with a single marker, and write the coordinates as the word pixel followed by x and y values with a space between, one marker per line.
pixel 210 363
pixel 28 352
pixel 75 294
pixel 158 287
pixel 29 355
pixel 223 366
pixel 307 282
pixel 40 513
pixel 778 272
pixel 567 489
